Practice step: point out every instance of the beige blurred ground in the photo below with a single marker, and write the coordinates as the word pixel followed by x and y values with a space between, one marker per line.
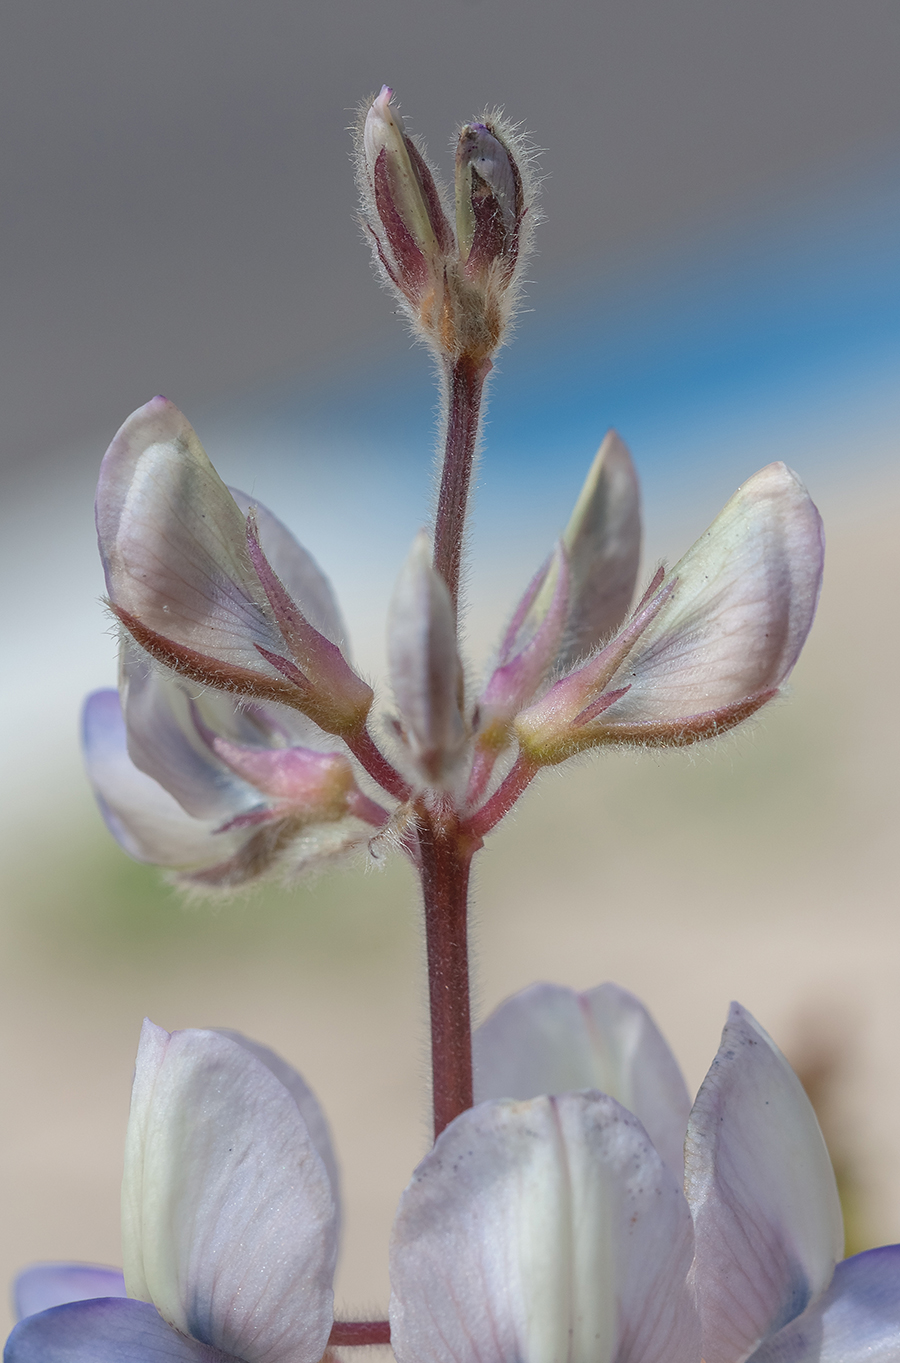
pixel 763 869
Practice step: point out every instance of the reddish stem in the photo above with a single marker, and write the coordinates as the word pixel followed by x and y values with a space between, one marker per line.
pixel 502 800
pixel 465 385
pixel 344 1332
pixel 445 858
pixel 376 764
pixel 361 807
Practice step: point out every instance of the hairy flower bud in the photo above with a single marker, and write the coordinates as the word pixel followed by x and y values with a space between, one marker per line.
pixel 403 207
pixel 489 201
pixel 459 296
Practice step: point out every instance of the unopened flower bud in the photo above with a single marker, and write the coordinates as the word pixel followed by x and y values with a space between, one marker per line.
pixel 489 201
pixel 403 208
pixel 426 672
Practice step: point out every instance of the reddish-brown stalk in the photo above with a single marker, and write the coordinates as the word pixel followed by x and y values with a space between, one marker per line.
pixel 465 385
pixel 445 854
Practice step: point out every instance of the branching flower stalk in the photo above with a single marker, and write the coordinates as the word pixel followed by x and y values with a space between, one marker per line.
pixel 243 743
pixel 235 666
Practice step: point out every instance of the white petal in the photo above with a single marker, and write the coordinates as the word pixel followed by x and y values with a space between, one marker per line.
pixel 229 1223
pixel 550 1039
pixel 164 742
pixel 173 542
pixel 603 541
pixel 303 1096
pixel 543 1232
pixel 147 822
pixel 767 1218
pixel 743 603
pixel 857 1320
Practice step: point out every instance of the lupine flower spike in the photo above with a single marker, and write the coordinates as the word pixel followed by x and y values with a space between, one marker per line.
pixel 575 1205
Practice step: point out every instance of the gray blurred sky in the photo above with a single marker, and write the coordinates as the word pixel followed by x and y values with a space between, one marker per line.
pixel 177 203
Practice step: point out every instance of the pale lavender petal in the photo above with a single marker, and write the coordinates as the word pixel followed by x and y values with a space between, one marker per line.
pixel 303 1096
pixel 742 605
pixel 603 541
pixel 540 1231
pixel 857 1320
pixel 550 1039
pixel 425 669
pixel 298 570
pixel 109 1330
pixel 165 743
pixel 229 1222
pixel 767 1218
pixel 712 641
pixel 147 822
pixel 173 543
pixel 44 1285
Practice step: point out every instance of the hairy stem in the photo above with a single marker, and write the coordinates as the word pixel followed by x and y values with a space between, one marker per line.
pixel 504 797
pixel 445 858
pixel 376 764
pixel 347 1332
pixel 465 385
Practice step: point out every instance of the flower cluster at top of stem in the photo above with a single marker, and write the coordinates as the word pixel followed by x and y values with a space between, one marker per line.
pixel 241 741
pixel 458 289
pixel 583 1210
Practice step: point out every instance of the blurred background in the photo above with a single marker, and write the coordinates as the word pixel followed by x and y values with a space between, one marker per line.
pixel 718 276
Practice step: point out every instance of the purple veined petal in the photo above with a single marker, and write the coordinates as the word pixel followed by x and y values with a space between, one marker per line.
pixel 148 823
pixel 229 1224
pixel 711 642
pixel 857 1320
pixel 543 1230
pixel 767 1218
pixel 742 605
pixel 164 742
pixel 44 1285
pixel 603 541
pixel 530 647
pixel 108 1330
pixel 424 664
pixel 550 1039
pixel 298 571
pixel 303 1096
pixel 173 543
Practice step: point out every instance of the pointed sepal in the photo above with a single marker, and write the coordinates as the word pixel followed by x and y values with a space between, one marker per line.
pixel 603 544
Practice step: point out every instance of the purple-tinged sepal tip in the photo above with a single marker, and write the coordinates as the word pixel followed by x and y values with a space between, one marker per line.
pixel 527 653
